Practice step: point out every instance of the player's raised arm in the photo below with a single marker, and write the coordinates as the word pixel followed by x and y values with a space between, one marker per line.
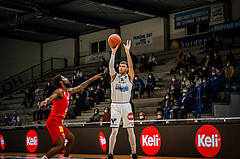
pixel 84 84
pixel 57 93
pixel 129 60
pixel 111 62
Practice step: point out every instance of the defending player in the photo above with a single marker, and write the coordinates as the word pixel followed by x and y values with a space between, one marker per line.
pixel 60 99
pixel 121 86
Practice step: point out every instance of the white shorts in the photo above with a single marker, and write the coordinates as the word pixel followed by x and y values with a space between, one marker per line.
pixel 122 111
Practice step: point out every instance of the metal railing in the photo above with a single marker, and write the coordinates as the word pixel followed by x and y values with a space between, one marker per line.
pixel 198 89
pixel 12 83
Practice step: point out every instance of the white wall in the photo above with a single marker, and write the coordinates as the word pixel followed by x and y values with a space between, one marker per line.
pixel 60 49
pixel 235 10
pixel 154 26
pixel 17 56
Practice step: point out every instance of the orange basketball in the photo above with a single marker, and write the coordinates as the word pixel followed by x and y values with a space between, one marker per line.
pixel 114 40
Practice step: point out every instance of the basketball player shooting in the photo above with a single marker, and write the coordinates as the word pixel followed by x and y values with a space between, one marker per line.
pixel 60 99
pixel 121 86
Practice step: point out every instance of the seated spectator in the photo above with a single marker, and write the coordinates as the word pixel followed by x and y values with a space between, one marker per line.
pixel 151 83
pixel 92 97
pixel 151 61
pixel 229 72
pixel 230 57
pixel 181 60
pixel 7 121
pixel 174 92
pixel 16 121
pixel 181 73
pixel 206 61
pixel 186 82
pixel 82 99
pixel 218 44
pixel 38 114
pixel 165 103
pixel 191 61
pixel 71 108
pixel 159 115
pixel 192 74
pixel 216 61
pixel 174 81
pixel 104 83
pixel 138 85
pixel 215 84
pixel 186 105
pixel 100 94
pixel 106 115
pixel 144 63
pixel 174 110
pixel 141 116
pixel 96 116
pixel 197 80
pixel 49 89
pixel 134 59
pixel 78 103
pixel 206 94
pixel 204 72
pixel 29 99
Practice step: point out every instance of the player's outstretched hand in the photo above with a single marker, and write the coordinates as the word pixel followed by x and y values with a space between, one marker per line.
pixel 127 46
pixel 96 76
pixel 114 50
pixel 42 103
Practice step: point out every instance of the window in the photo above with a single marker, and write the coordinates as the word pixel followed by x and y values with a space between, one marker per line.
pixel 99 46
pixel 192 30
pixel 203 27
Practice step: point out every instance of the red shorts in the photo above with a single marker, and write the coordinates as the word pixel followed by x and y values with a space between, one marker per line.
pixel 56 128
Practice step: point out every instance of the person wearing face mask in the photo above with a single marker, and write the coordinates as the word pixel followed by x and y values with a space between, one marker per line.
pixel 229 71
pixel 191 61
pixel 141 116
pixel 230 56
pixel 186 82
pixel 185 105
pixel 91 97
pixel 216 61
pixel 78 105
pixel 181 60
pixel 205 61
pixel 16 121
pixel 174 92
pixel 151 83
pixel 159 115
pixel 144 63
pixel 165 103
pixel 6 121
pixel 96 116
pixel 174 81
pixel 215 81
pixel 152 61
pixel 206 94
pixel 106 115
pixel 204 72
pixel 49 89
pixel 39 111
pixel 197 80
pixel 29 99
pixel 100 94
pixel 192 74
pixel 82 100
pixel 138 85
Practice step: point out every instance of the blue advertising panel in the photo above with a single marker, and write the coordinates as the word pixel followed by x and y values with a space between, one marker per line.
pixel 226 26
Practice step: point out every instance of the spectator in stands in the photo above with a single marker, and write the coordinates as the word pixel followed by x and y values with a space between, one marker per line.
pixel 218 44
pixel 151 83
pixel 174 91
pixel 210 43
pixel 16 121
pixel 181 60
pixel 206 61
pixel 165 103
pixel 197 80
pixel 191 61
pixel 96 116
pixel 78 105
pixel 106 115
pixel 181 73
pixel 83 97
pixel 204 72
pixel 185 104
pixel 159 115
pixel 37 113
pixel 217 61
pixel 100 69
pixel 104 83
pixel 134 59
pixel 144 63
pixel 215 84
pixel 72 108
pixel 230 57
pixel 174 81
pixel 229 72
pixel 7 121
pixel 192 74
pixel 174 110
pixel 29 99
pixel 100 94
pixel 206 93
pixel 186 82
pixel 151 61
pixel 138 85
pixel 49 89
pixel 141 116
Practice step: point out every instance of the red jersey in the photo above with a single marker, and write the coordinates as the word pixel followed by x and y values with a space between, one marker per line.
pixel 60 107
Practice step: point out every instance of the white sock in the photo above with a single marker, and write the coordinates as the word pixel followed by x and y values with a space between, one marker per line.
pixel 44 157
pixel 132 140
pixel 112 140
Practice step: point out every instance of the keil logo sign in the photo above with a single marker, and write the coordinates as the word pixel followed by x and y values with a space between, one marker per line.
pixel 2 142
pixel 150 140
pixel 102 141
pixel 32 141
pixel 208 141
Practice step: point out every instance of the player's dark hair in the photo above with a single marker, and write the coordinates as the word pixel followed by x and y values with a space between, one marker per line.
pixel 56 81
pixel 124 62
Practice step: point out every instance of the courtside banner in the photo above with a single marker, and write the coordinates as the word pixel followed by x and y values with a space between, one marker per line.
pixel 212 140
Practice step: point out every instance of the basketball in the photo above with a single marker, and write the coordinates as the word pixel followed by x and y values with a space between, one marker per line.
pixel 114 40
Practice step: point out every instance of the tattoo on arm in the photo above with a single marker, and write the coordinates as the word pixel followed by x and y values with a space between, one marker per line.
pixel 81 86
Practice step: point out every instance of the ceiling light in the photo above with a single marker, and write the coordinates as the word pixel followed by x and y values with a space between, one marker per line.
pixel 144 14
pixel 111 6
pixel 64 20
pixel 12 9
pixel 95 26
pixel 26 31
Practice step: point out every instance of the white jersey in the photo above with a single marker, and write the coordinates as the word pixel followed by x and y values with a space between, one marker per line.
pixel 121 88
